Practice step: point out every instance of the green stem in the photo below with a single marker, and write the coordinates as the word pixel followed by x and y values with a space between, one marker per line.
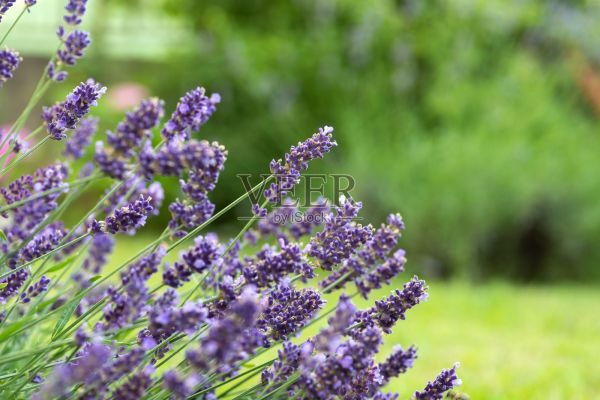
pixel 12 26
pixel 39 195
pixel 53 251
pixel 24 155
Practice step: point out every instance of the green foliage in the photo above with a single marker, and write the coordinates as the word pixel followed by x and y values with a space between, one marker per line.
pixel 466 115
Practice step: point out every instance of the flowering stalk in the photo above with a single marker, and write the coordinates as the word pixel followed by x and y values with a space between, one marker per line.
pixel 116 334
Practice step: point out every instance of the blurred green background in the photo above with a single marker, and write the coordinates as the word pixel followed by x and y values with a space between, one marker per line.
pixel 477 120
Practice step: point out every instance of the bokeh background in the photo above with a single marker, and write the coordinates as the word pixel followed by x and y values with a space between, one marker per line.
pixel 477 120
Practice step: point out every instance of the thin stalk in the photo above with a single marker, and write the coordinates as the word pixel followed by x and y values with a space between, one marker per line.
pixel 53 251
pixel 24 155
pixel 12 26
pixel 39 195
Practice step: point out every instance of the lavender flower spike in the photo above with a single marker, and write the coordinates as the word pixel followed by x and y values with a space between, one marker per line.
pixel 287 175
pixel 5 5
pixel 81 138
pixel 387 312
pixel 193 110
pixel 398 363
pixel 136 127
pixel 125 219
pixel 66 115
pixel 75 11
pixel 446 380
pixel 9 61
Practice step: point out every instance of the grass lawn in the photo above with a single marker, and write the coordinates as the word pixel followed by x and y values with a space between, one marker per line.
pixel 513 342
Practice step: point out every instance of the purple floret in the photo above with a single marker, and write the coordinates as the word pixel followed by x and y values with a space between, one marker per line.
pixel 446 380
pixel 81 138
pixel 67 114
pixel 9 61
pixel 193 110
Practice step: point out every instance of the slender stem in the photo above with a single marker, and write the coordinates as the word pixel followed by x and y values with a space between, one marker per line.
pixel 12 26
pixel 194 231
pixel 24 155
pixel 53 251
pixel 38 195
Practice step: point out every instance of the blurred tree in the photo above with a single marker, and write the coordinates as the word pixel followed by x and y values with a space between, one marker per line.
pixel 466 115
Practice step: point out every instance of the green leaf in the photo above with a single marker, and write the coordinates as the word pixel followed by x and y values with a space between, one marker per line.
pixel 66 316
pixel 64 263
pixel 3 236
pixel 12 328
pixel 3 285
pixel 95 278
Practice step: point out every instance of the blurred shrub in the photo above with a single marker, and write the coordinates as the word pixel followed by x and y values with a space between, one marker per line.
pixel 465 115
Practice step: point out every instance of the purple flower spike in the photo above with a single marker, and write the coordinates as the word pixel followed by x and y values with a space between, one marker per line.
pixel 74 46
pixel 178 387
pixel 382 274
pixel 204 254
pixel 270 266
pixel 81 137
pixel 287 175
pixel 288 310
pixel 9 61
pixel 231 338
pixel 193 110
pixel 75 11
pixel 446 380
pixel 398 363
pixel 136 127
pixel 101 246
pixel 66 115
pixel 5 5
pixel 35 290
pixel 28 216
pixel 387 312
pixel 341 237
pixel 126 219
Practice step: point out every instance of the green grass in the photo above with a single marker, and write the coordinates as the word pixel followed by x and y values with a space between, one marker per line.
pixel 513 342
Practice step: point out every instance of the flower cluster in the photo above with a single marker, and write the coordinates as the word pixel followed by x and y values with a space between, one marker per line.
pixel 9 61
pixel 341 237
pixel 65 115
pixel 81 138
pixel 128 137
pixel 73 43
pixel 192 111
pixel 5 5
pixel 158 326
pixel 126 219
pixel 287 173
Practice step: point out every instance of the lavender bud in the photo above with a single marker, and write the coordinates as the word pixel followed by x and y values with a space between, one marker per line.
pixel 9 61
pixel 67 114
pixel 35 290
pixel 341 237
pixel 387 312
pixel 137 125
pixel 75 11
pixel 5 5
pixel 287 175
pixel 192 111
pixel 81 137
pixel 446 380
pixel 127 218
pixel 398 363
pixel 287 310
pixel 268 266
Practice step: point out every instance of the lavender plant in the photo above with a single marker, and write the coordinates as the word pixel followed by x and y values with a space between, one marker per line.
pixel 228 318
